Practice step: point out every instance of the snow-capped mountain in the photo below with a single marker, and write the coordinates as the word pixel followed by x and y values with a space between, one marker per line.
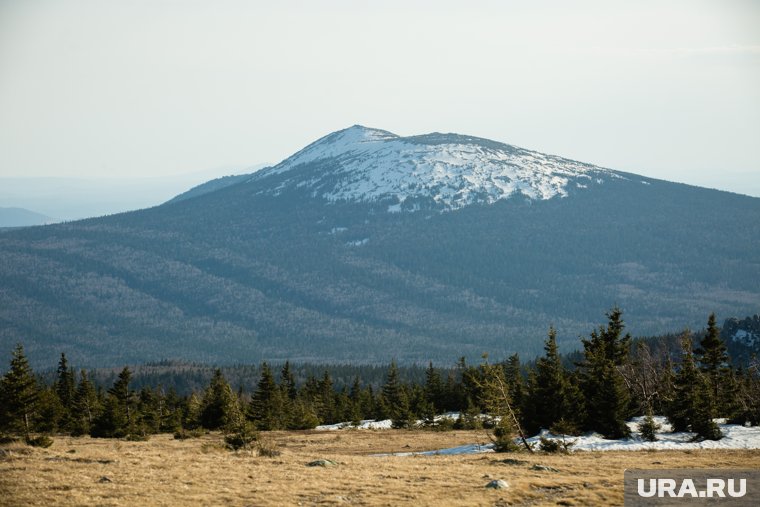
pixel 448 170
pixel 321 258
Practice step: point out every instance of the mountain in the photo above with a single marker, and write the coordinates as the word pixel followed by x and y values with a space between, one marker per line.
pixel 365 246
pixel 20 217
pixel 210 186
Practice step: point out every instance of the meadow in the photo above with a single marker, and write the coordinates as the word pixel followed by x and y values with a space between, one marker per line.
pixel 200 471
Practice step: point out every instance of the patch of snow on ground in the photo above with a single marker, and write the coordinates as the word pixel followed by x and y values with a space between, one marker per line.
pixel 367 424
pixel 734 437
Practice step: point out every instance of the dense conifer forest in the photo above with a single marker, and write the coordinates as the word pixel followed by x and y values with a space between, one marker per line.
pixel 612 379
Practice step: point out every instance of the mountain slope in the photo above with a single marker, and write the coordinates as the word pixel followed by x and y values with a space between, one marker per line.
pixel 337 254
pixel 20 217
pixel 210 186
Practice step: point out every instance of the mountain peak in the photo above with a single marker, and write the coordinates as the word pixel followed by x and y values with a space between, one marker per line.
pixel 448 171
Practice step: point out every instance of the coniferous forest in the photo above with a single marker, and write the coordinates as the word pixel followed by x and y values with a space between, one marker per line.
pixel 610 380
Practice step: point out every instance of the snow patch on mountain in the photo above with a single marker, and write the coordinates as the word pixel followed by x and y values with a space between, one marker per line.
pixel 369 165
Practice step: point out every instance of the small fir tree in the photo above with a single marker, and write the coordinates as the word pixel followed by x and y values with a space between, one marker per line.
pixel 549 389
pixel 85 406
pixel 218 403
pixel 65 389
pixel 713 360
pixel 19 395
pixel 266 407
pixel 606 398
pixel 648 428
pixel 691 407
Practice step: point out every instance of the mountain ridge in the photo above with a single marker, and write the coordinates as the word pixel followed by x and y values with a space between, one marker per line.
pixel 271 268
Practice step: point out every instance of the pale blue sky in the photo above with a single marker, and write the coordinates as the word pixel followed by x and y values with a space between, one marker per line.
pixel 148 88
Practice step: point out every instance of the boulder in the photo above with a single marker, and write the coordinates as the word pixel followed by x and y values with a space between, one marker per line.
pixel 322 463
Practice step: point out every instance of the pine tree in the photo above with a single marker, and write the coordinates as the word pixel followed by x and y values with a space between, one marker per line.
pixel 606 397
pixel 19 395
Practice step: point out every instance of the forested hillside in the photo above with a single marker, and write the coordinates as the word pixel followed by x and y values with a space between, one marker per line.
pixel 262 269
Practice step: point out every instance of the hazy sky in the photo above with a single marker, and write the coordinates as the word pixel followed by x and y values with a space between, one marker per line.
pixel 141 88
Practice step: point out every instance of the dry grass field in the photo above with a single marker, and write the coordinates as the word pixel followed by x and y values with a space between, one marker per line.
pixel 164 471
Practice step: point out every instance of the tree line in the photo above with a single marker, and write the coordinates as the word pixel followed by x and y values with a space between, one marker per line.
pixel 614 379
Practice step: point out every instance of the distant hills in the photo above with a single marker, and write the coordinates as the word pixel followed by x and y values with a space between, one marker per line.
pixel 20 217
pixel 365 246
pixel 78 198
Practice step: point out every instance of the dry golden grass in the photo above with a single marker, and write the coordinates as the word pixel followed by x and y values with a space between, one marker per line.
pixel 164 471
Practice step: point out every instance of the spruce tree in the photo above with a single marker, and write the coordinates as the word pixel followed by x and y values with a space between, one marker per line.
pixel 549 391
pixel 713 361
pixel 117 419
pixel 327 409
pixel 355 399
pixel 266 407
pixel 125 395
pixel 434 394
pixel 392 393
pixel 606 397
pixel 65 388
pixel 303 416
pixel 492 385
pixel 50 415
pixel 85 406
pixel 288 381
pixel 191 417
pixel 702 424
pixel 514 379
pixel 691 408
pixel 219 403
pixel 648 428
pixel 19 394
pixel 174 406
